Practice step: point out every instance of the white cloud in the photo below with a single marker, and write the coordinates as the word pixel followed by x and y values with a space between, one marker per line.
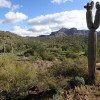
pixel 60 1
pixel 12 17
pixel 53 22
pixel 15 7
pixel 24 32
pixel 45 24
pixel 40 29
pixel 21 31
pixel 5 3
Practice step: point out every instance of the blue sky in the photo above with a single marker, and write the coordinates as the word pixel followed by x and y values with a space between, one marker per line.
pixel 41 17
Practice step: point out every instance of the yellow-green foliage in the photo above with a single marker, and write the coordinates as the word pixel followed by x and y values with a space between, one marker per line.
pixel 14 76
pixel 70 67
pixel 46 80
pixel 81 93
pixel 90 91
pixel 17 77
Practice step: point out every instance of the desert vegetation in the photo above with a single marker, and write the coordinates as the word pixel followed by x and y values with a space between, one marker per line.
pixel 42 68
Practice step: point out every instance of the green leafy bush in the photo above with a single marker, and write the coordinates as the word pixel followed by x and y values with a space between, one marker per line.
pixel 77 81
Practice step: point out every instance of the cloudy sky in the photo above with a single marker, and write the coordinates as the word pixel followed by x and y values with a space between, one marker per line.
pixel 41 17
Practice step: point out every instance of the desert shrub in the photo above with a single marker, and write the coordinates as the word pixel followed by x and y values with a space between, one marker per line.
pixel 51 57
pixel 7 59
pixel 46 80
pixel 40 53
pixel 64 47
pixel 71 55
pixel 29 52
pixel 56 50
pixel 76 67
pixel 77 81
pixel 65 73
pixel 8 48
pixel 35 49
pixel 15 78
pixel 70 68
pixel 47 56
pixel 83 92
pixel 20 45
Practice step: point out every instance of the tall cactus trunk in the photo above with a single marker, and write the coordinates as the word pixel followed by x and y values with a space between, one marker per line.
pixel 92 46
pixel 92 39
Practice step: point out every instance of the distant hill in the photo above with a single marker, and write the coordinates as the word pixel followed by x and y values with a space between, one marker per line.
pixel 8 34
pixel 60 33
pixel 8 38
pixel 68 32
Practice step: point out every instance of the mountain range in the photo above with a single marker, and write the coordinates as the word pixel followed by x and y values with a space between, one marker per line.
pixel 68 32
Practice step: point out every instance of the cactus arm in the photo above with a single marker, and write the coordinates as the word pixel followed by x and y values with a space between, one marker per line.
pixel 89 17
pixel 97 16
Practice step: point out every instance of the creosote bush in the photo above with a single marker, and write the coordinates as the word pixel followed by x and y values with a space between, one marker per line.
pixel 69 67
pixel 40 53
pixel 15 78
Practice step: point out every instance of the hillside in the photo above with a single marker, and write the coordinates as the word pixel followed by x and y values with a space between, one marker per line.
pixel 45 67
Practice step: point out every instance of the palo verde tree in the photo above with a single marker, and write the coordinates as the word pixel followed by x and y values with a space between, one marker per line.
pixel 92 38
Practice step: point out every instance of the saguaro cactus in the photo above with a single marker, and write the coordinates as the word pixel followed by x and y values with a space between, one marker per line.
pixel 92 38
